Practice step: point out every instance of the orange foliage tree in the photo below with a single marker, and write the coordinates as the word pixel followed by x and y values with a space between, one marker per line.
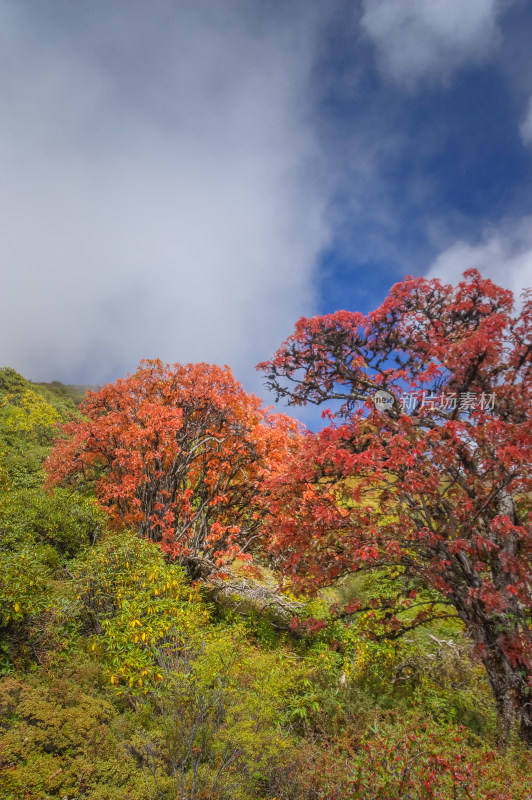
pixel 179 454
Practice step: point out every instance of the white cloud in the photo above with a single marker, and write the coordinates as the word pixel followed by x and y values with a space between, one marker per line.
pixel 504 255
pixel 160 194
pixel 429 39
pixel 525 129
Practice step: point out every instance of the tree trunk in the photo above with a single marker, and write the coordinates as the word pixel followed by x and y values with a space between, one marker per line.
pixel 509 683
pixel 510 691
pixel 500 636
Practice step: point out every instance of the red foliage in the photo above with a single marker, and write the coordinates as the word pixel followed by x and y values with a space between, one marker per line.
pixel 178 453
pixel 413 762
pixel 441 489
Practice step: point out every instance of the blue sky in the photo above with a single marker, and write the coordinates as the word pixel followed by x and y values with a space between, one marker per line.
pixel 437 160
pixel 185 179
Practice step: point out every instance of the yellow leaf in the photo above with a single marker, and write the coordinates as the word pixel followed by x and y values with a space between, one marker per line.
pixel 16 607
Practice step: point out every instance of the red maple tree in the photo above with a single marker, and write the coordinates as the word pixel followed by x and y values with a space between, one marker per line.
pixel 435 481
pixel 178 453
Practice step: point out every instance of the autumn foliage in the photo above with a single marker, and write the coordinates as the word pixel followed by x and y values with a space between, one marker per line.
pixel 436 485
pixel 179 454
pixel 118 679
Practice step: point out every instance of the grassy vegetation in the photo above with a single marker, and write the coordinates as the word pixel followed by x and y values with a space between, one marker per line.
pixel 73 391
pixel 120 679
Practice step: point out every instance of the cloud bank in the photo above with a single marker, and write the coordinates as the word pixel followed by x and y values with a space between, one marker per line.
pixel 161 193
pixel 428 40
pixel 504 255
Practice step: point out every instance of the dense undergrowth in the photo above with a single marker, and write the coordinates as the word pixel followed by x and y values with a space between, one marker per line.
pixel 121 679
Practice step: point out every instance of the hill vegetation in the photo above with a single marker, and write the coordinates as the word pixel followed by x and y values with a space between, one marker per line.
pixel 158 642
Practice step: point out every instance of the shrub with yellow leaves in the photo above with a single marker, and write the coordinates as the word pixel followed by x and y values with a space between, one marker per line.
pixel 134 604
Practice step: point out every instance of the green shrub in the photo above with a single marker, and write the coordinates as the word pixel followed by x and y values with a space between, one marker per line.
pixel 215 720
pixel 24 585
pixel 29 416
pixel 59 739
pixel 66 521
